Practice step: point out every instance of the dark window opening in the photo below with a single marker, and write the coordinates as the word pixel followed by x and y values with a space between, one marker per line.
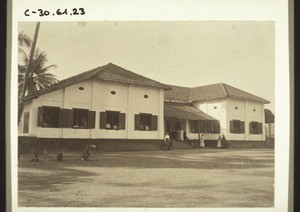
pixel 194 126
pixel 55 117
pixel 205 126
pixel 113 92
pixel 255 127
pixel 146 96
pixel 80 118
pixel 145 122
pixel 81 88
pixel 237 127
pixel 112 120
pixel 50 117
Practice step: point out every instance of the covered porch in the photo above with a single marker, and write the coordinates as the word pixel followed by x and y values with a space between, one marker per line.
pixel 189 120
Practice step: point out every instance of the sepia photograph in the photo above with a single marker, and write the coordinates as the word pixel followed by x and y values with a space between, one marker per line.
pixel 149 106
pixel 146 114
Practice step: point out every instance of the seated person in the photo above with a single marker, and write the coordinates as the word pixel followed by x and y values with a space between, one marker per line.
pixel 142 127
pixel 107 126
pixel 115 127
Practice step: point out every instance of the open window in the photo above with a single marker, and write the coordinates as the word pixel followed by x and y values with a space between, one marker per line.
pixel 194 126
pixel 112 120
pixel 65 118
pixel 48 116
pixel 80 117
pixel 237 127
pixel 208 126
pixel 145 122
pixel 255 127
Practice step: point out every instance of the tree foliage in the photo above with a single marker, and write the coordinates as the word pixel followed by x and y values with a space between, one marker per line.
pixel 39 76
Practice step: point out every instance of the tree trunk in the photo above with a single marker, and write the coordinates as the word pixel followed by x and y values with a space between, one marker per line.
pixel 27 73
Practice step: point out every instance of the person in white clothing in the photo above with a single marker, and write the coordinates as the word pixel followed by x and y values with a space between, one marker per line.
pixel 202 144
pixel 167 144
pixel 219 143
pixel 181 134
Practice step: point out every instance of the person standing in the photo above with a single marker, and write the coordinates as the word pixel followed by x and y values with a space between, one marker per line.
pixel 219 144
pixel 225 142
pixel 167 142
pixel 181 135
pixel 202 144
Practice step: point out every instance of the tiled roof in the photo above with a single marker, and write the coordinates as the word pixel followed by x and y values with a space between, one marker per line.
pixel 184 111
pixel 178 94
pixel 109 72
pixel 207 92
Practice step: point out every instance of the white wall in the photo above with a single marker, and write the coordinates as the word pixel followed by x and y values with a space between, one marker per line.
pixel 245 113
pixel 138 104
pixel 55 99
pixel 217 109
pixel 224 111
pixel 97 96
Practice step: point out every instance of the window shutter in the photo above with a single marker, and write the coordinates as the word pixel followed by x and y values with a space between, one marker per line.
pixel 63 118
pixel 259 128
pixel 242 127
pixel 70 122
pixel 137 122
pixel 102 120
pixel 40 117
pixel 26 123
pixel 154 123
pixel 231 127
pixel 250 128
pixel 122 118
pixel 91 119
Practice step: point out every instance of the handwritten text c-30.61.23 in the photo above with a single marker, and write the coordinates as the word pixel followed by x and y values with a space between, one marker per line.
pixel 58 12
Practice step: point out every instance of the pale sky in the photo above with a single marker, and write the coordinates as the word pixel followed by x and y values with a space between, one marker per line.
pixel 189 53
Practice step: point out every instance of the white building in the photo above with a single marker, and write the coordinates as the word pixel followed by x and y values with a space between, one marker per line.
pixel 117 109
pixel 240 114
pixel 107 103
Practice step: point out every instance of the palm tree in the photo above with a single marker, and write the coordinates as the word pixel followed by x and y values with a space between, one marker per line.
pixel 39 77
pixel 23 40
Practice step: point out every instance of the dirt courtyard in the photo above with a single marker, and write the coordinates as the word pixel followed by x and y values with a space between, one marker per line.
pixel 177 178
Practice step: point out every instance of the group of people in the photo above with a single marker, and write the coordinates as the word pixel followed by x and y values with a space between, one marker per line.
pixel 111 126
pixel 221 142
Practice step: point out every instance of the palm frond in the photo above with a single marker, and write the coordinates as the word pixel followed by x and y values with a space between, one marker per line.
pixel 23 39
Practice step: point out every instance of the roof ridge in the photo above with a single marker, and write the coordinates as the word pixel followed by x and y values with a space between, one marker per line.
pixel 246 92
pixel 112 64
pixel 224 89
pixel 95 70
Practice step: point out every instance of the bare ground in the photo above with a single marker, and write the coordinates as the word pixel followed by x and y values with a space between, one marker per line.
pixel 177 178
